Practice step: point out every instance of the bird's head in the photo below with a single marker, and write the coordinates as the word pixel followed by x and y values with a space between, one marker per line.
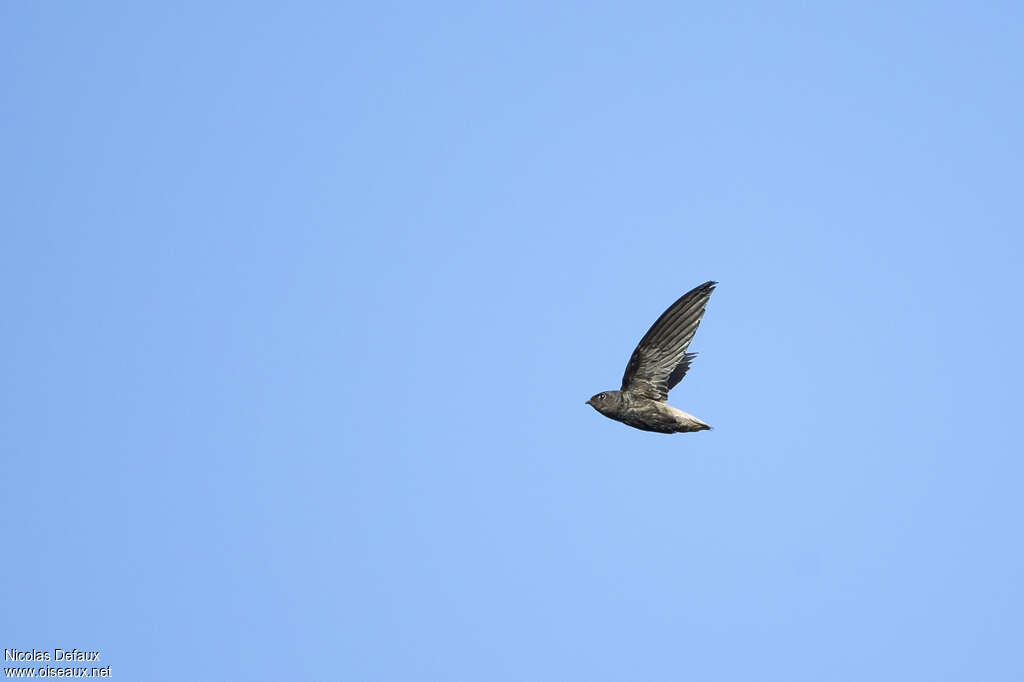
pixel 604 401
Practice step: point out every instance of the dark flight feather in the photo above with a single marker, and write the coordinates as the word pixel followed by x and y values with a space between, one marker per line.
pixel 660 360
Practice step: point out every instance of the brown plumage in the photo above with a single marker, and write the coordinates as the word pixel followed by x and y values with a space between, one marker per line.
pixel 659 362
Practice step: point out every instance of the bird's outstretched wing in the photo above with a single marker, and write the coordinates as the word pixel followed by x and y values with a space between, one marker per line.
pixel 660 360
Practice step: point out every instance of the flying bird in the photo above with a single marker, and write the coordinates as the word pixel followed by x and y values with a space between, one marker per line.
pixel 659 362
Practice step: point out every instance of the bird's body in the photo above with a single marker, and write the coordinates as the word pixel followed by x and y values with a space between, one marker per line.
pixel 647 414
pixel 659 362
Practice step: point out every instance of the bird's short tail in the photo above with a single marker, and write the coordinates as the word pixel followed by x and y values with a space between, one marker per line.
pixel 687 423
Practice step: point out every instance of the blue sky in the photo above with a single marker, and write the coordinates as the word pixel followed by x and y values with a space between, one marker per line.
pixel 304 303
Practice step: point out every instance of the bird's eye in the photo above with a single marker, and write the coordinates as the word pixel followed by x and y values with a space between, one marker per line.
pixel 601 397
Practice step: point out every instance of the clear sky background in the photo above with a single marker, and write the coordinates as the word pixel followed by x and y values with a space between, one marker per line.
pixel 302 303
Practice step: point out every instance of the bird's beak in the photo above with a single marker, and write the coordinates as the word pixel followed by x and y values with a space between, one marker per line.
pixel 588 402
